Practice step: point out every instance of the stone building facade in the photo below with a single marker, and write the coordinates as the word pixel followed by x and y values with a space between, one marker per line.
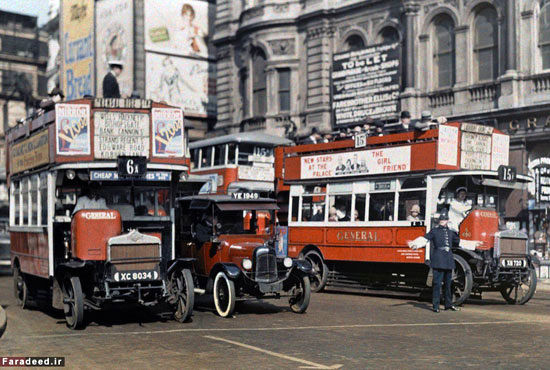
pixel 477 60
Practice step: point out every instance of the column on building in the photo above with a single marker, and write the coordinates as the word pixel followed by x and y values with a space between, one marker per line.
pixel 408 98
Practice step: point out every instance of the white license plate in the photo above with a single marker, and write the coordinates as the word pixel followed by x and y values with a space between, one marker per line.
pixel 513 262
pixel 136 275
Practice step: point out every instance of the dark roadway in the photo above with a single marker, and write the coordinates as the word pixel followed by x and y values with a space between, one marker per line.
pixel 339 330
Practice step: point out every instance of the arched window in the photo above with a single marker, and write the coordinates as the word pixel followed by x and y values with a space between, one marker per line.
pixel 486 44
pixel 388 35
pixel 443 52
pixel 354 42
pixel 259 83
pixel 544 35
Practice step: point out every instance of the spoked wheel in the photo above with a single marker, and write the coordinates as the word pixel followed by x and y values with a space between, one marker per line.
pixel 184 291
pixel 73 302
pixel 523 291
pixel 462 281
pixel 301 293
pixel 224 295
pixel 320 271
pixel 21 288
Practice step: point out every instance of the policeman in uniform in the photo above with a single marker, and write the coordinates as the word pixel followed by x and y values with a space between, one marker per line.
pixel 442 261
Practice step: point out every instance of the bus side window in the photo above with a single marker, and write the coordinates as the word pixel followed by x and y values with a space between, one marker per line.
pixel 231 154
pixel 295 208
pixel 16 192
pixel 408 200
pixel 313 208
pixel 359 211
pixel 381 206
pixel 342 204
pixel 219 155
pixel 206 157
pixel 196 157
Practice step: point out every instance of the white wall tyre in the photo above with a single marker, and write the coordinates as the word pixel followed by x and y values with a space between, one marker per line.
pixel 224 295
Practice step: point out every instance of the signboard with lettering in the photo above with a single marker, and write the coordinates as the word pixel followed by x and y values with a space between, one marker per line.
pixel 72 127
pixel 30 153
pixel 366 83
pixel 256 173
pixel 447 146
pixel 77 44
pixel 105 175
pixel 122 103
pixel 366 162
pixel 168 132
pixel 500 151
pixel 120 134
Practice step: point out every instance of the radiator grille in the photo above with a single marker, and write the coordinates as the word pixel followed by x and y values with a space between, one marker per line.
pixel 266 267
pixel 512 246
pixel 129 257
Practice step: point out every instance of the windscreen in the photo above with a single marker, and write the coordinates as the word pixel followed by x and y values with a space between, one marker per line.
pixel 253 222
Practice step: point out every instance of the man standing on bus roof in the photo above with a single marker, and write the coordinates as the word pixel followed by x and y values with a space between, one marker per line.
pixel 441 259
pixel 110 83
pixel 458 209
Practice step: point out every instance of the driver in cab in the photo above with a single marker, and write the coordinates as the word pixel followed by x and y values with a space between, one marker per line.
pixel 458 209
pixel 90 199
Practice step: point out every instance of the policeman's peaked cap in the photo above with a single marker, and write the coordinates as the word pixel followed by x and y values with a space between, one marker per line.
pixel 116 63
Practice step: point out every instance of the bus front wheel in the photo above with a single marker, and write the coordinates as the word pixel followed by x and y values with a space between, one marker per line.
pixel 320 271
pixel 462 281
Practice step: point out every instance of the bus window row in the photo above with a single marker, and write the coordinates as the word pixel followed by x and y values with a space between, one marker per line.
pixel 367 201
pixel 230 154
pixel 29 200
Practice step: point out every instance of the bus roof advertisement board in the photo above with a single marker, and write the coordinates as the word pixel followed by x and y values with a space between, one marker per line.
pixel 72 128
pixel 366 83
pixel 500 151
pixel 168 132
pixel 30 153
pixel 365 162
pixel 447 147
pixel 120 133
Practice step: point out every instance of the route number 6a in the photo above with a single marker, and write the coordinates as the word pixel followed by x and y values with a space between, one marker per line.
pixel 132 166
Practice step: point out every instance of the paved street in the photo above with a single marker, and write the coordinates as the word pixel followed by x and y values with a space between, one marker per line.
pixel 339 330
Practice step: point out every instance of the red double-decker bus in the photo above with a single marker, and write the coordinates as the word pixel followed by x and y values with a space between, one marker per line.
pixel 354 205
pixel 237 162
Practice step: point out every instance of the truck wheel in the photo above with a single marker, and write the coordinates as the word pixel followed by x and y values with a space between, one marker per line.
pixel 224 295
pixel 301 295
pixel 320 271
pixel 73 302
pixel 21 288
pixel 462 281
pixel 523 291
pixel 185 293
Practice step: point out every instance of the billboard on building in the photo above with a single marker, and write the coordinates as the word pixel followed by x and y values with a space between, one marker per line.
pixel 366 83
pixel 182 82
pixel 77 45
pixel 115 41
pixel 178 27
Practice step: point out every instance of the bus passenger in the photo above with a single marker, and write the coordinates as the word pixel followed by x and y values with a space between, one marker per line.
pixel 414 213
pixel 379 128
pixel 405 123
pixel 332 214
pixel 90 199
pixel 458 209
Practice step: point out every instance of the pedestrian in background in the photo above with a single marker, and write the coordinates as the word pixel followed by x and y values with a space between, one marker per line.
pixel 110 82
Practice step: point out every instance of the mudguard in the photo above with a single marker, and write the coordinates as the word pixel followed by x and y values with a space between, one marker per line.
pixel 232 270
pixel 469 253
pixel 304 266
pixel 185 262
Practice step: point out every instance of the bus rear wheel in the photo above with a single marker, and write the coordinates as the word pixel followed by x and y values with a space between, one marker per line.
pixel 320 271
pixel 462 281
pixel 21 288
pixel 523 291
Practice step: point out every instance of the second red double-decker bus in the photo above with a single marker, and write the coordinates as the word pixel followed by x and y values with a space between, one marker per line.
pixel 237 162
pixel 353 210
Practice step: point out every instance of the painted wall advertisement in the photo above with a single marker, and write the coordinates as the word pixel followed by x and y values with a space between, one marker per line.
pixel 120 133
pixel 72 127
pixel 115 41
pixel 182 82
pixel 366 83
pixel 178 27
pixel 77 44
pixel 168 132
pixel 30 153
pixel 367 162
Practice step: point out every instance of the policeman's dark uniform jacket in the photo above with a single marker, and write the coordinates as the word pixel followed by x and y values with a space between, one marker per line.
pixel 110 86
pixel 442 261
